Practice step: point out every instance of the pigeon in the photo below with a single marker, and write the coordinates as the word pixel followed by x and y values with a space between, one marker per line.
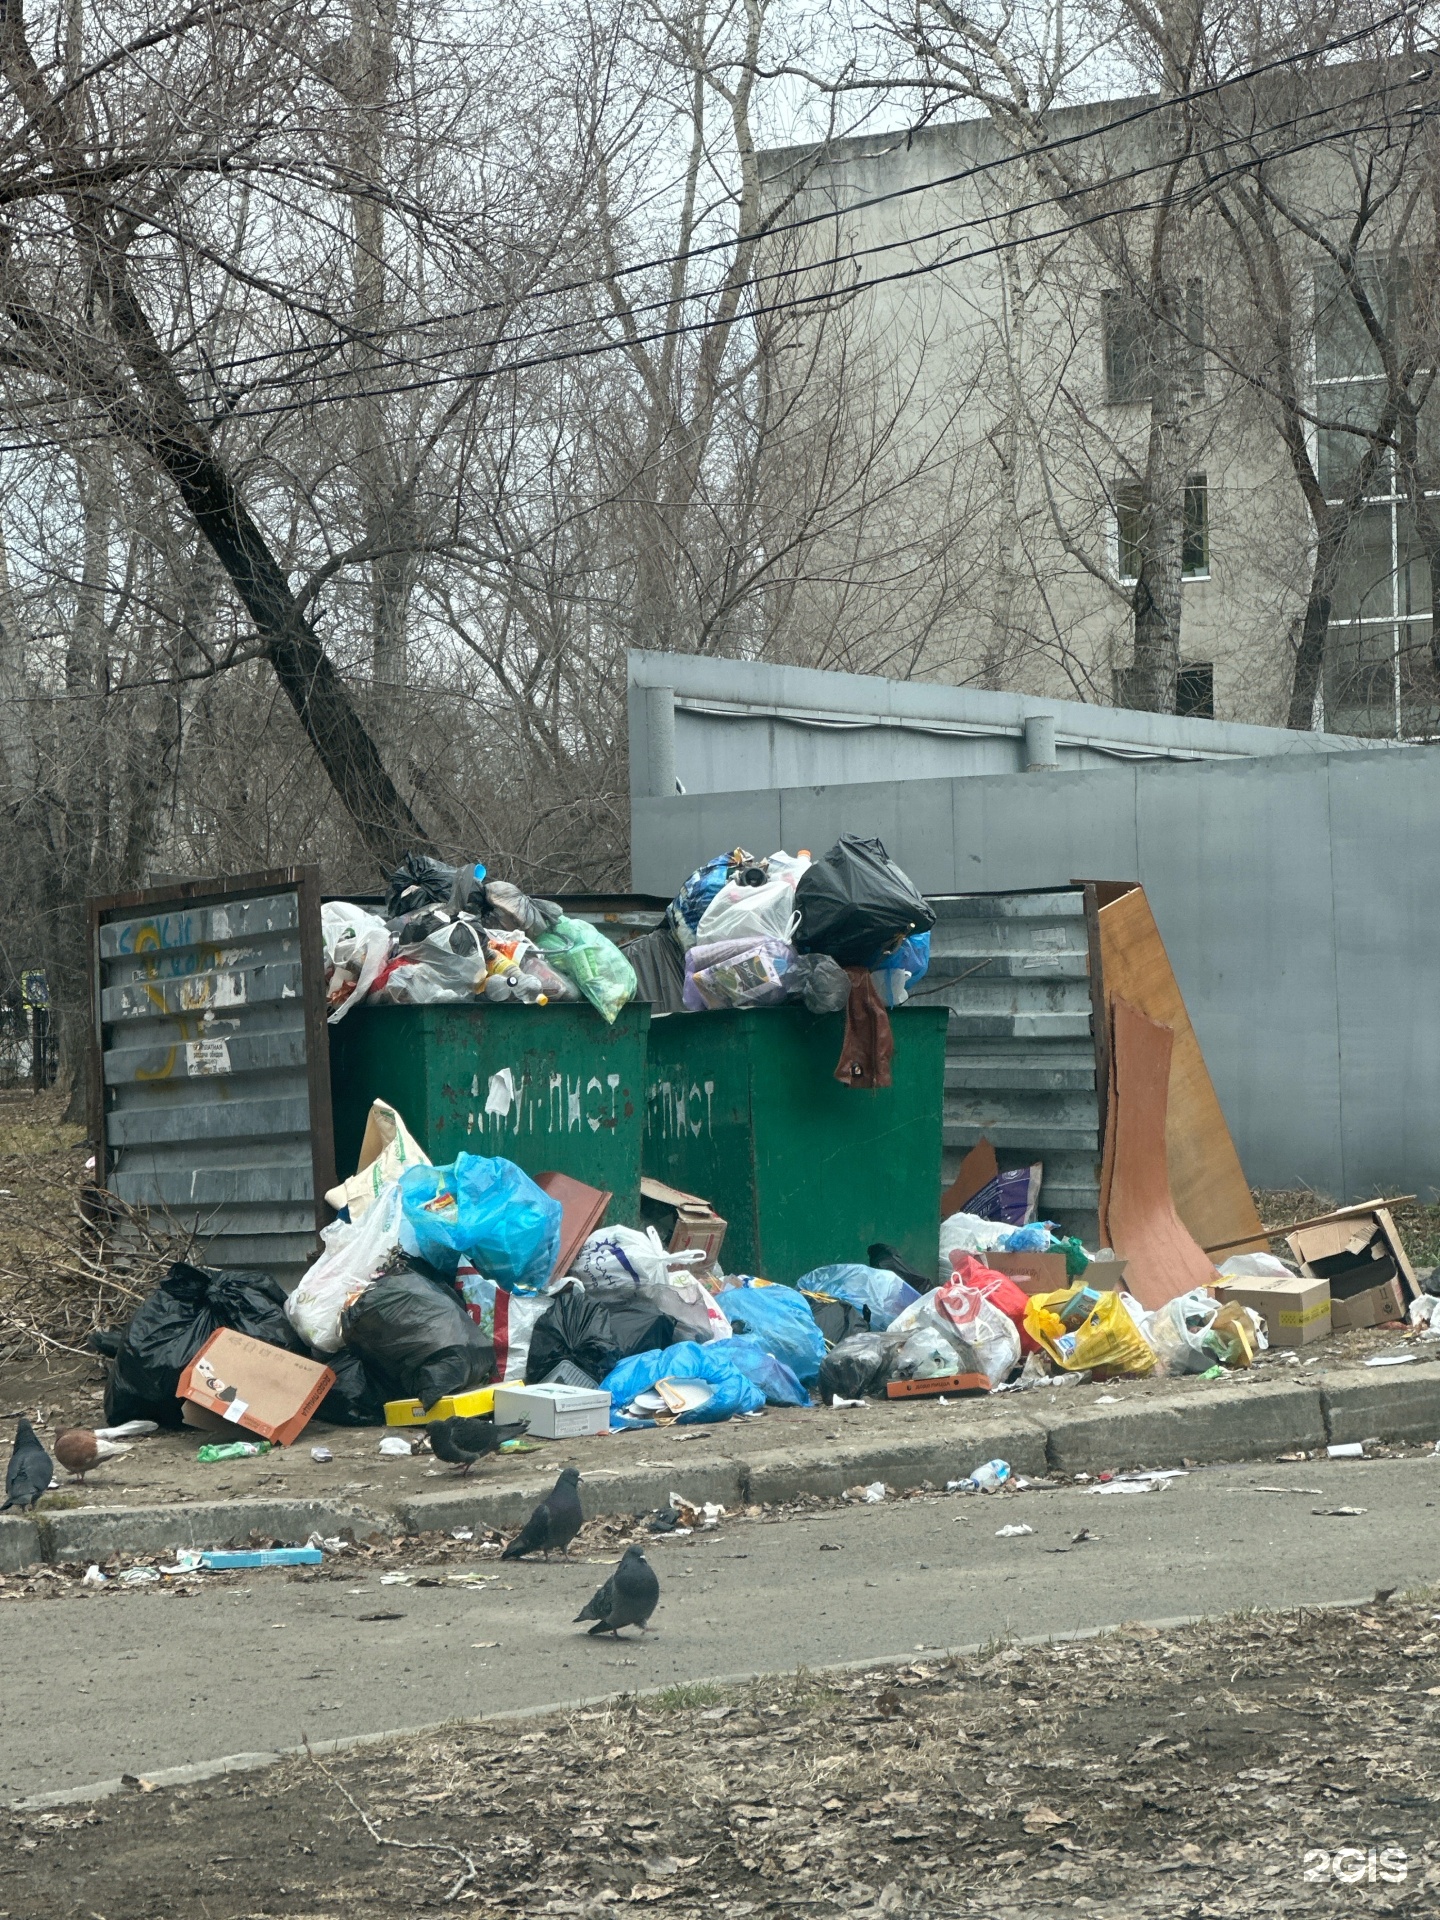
pixel 628 1597
pixel 554 1523
pixel 463 1442
pixel 30 1471
pixel 78 1449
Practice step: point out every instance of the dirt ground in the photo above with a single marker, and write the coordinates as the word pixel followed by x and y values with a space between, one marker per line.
pixel 1281 1764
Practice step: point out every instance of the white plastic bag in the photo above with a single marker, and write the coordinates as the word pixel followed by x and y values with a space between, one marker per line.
pixel 968 1233
pixel 356 1252
pixel 387 1149
pixel 625 1253
pixel 356 945
pixel 1255 1266
pixel 1177 1332
pixel 738 912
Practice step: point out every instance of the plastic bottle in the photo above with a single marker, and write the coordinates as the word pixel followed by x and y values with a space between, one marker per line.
pixel 991 1477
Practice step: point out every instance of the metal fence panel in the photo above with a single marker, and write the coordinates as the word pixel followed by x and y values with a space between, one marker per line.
pixel 210 1088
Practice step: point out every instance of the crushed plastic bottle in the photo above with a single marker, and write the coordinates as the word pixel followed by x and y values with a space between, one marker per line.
pixel 989 1478
pixel 233 1450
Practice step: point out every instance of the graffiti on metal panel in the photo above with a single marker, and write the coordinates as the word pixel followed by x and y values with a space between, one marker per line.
pixel 514 1103
pixel 681 1107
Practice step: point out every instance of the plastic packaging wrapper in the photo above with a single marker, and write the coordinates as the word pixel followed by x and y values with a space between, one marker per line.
pixel 745 972
pixel 955 1308
pixel 506 1319
pixel 1012 1197
pixel 448 965
pixel 780 1319
pixel 854 901
pixel 878 1294
pixel 732 1391
pixel 1084 1330
pixel 741 912
pixel 387 1149
pixel 821 983
pixel 630 1253
pixel 596 965
pixel 762 1369
pixel 356 946
pixel 897 972
pixel 172 1324
pixel 356 1252
pixel 684 912
pixel 507 907
pixel 489 1212
pixel 416 1339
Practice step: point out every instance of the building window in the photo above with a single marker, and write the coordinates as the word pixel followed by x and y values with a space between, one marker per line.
pixel 1195 691
pixel 1130 528
pixel 1132 334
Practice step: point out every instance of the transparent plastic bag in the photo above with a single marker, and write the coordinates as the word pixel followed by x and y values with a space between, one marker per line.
pixel 820 982
pixel 745 972
pixel 596 965
pixel 448 965
pixel 873 1289
pixel 1177 1333
pixel 356 946
pixel 684 912
pixel 739 912
pixel 955 1308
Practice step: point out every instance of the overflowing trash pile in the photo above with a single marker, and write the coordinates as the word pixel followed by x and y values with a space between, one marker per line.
pixel 455 934
pixel 760 932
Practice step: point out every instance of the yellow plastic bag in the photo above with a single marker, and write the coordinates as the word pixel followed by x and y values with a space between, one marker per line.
pixel 1107 1337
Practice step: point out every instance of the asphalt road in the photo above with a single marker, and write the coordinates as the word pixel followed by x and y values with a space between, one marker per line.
pixel 99 1684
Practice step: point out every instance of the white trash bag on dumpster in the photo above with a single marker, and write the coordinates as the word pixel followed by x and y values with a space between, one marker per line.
pixel 356 1252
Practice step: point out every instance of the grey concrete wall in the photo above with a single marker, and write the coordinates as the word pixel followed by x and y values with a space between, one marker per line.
pixel 1298 899
pixel 723 725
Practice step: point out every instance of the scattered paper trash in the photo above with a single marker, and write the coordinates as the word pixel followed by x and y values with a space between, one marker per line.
pixel 1347 1450
pixel 222 1562
pixel 838 1402
pixel 1155 1482
pixel 1108 1400
pixel 321 1453
pixel 93 1577
pixel 334 1544
pixel 396 1579
pixel 462 1533
pixel 871 1495
pixel 1337 1513
pixel 1012 1533
pixel 1392 1359
pixel 394 1448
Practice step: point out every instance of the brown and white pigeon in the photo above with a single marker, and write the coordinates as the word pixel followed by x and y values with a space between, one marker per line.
pixel 81 1449
pixel 30 1470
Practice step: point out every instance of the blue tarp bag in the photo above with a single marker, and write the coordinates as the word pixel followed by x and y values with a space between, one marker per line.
pixel 871 1289
pixel 488 1211
pixel 781 1320
pixel 688 1360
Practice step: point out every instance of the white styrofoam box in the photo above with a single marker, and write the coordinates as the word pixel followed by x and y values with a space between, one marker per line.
pixel 555 1412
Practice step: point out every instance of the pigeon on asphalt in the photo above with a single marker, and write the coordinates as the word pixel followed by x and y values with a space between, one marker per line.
pixel 554 1523
pixel 78 1449
pixel 463 1442
pixel 30 1471
pixel 627 1598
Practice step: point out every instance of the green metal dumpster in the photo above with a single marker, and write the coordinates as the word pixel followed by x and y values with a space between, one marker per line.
pixel 572 1102
pixel 743 1109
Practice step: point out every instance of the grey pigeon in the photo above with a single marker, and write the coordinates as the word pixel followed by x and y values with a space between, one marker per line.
pixel 30 1471
pixel 628 1597
pixel 462 1442
pixel 554 1523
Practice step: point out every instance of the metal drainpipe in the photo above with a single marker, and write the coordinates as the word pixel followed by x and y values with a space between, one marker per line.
pixel 1040 742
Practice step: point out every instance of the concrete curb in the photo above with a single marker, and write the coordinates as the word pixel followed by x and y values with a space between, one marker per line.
pixel 1241 1419
pixel 347 1743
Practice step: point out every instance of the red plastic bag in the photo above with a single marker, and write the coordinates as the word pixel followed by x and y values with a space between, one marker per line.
pixel 1000 1288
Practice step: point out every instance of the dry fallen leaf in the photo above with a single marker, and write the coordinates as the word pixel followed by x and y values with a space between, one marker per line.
pixel 1038 1819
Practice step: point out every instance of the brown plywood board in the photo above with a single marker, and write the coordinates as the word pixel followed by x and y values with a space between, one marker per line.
pixel 1207 1182
pixel 976 1170
pixel 1145 1228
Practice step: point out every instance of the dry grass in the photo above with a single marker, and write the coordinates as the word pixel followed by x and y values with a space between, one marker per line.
pixel 1419 1225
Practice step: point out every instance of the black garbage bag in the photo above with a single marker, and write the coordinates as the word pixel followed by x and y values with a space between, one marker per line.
pixel 355 1400
pixel 660 970
pixel 860 1365
pixel 889 1261
pixel 837 1319
pixel 169 1328
pixel 415 1338
pixel 854 901
pixel 418 881
pixel 576 1328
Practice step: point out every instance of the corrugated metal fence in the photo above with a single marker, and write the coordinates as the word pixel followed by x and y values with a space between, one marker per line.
pixel 213 1083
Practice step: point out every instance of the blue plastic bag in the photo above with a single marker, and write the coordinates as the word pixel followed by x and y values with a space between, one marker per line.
pixel 911 957
pixel 781 1320
pixel 688 1360
pixel 772 1376
pixel 883 1294
pixel 488 1211
pixel 684 912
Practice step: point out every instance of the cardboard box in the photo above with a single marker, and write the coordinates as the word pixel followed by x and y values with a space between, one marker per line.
pixel 465 1406
pixel 1296 1311
pixel 555 1412
pixel 1045 1272
pixel 947 1383
pixel 690 1221
pixel 266 1390
pixel 1361 1256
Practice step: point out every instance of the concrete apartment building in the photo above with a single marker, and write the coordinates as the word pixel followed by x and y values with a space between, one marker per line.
pixel 994 363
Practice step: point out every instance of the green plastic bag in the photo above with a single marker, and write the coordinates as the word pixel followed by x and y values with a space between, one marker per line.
pixel 596 965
